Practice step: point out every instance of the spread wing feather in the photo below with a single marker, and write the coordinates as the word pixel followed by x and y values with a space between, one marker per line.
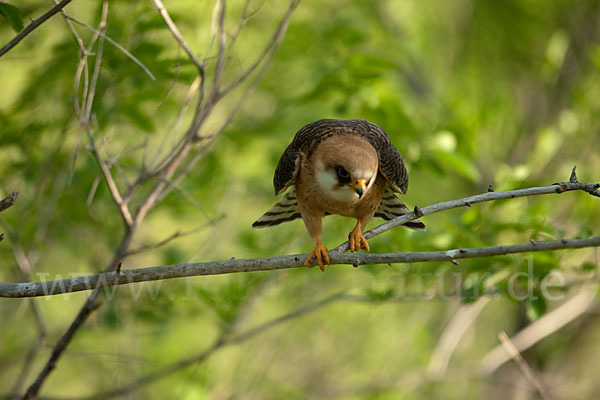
pixel 391 207
pixel 285 210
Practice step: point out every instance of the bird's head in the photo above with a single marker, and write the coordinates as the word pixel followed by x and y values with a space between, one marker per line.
pixel 345 167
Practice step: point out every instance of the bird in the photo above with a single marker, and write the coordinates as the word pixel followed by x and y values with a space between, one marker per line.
pixel 344 167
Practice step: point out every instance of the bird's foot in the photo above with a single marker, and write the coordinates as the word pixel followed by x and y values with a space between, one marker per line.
pixel 320 252
pixel 357 240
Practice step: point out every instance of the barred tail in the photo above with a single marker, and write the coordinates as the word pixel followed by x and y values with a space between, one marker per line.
pixel 391 207
pixel 285 210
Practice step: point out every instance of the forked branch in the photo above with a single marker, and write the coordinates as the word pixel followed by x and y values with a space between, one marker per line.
pixel 176 164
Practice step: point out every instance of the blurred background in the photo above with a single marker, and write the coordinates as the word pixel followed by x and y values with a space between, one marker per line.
pixel 472 92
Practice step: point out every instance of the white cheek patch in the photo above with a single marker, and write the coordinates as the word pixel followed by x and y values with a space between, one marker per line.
pixel 343 193
pixel 328 183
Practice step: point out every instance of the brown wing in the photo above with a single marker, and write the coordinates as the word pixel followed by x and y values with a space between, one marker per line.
pixel 308 138
pixel 286 170
pixel 391 164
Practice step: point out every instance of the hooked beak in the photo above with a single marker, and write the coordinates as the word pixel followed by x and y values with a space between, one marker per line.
pixel 359 186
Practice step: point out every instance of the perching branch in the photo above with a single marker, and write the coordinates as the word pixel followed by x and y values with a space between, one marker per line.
pixel 106 279
pixel 32 289
pixel 33 25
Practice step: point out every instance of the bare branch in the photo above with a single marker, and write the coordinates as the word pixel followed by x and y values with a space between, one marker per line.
pixel 117 45
pixel 175 31
pixel 541 328
pixel 523 366
pixel 76 36
pixel 174 183
pixel 168 239
pixel 29 360
pixel 271 47
pixel 96 73
pixel 33 25
pixel 221 342
pixel 265 59
pixel 105 279
pixel 558 188
pixel 84 116
pixel 57 351
pixel 220 67
pixel 89 306
pixel 450 337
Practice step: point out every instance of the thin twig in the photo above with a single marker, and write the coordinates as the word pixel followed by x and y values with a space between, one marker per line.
pixel 33 25
pixel 265 58
pixel 450 337
pixel 541 328
pixel 28 362
pixel 168 239
pixel 269 48
pixel 523 366
pixel 117 45
pixel 221 342
pixel 84 116
pixel 96 73
pixel 175 31
pixel 221 37
pixel 89 306
pixel 112 186
pixel 73 31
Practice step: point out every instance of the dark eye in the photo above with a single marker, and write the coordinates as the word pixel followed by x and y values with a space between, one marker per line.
pixel 342 174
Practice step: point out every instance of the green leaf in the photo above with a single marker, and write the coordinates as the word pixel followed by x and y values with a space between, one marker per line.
pixel 588 266
pixel 535 307
pixel 13 14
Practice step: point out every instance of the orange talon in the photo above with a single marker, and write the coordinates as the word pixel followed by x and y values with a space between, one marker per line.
pixel 320 252
pixel 357 239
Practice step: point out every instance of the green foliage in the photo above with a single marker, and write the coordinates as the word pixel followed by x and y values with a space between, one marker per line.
pixel 536 306
pixel 12 15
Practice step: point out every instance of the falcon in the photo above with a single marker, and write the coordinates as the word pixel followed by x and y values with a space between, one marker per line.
pixel 345 167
